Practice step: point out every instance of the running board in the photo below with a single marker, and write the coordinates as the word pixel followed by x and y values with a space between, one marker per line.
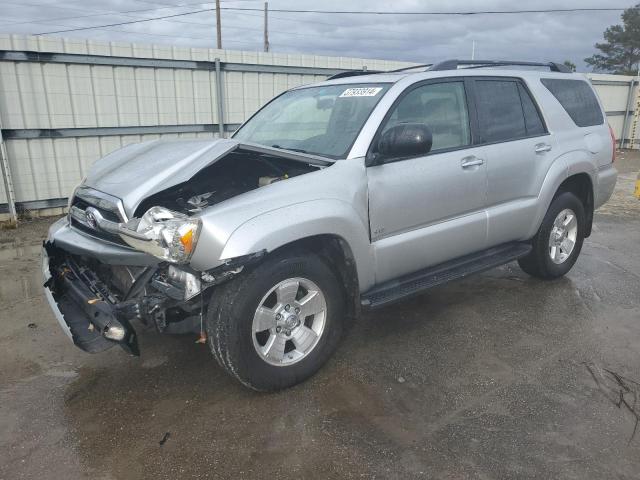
pixel 414 283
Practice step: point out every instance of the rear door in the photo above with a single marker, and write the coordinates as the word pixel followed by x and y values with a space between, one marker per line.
pixel 427 209
pixel 519 151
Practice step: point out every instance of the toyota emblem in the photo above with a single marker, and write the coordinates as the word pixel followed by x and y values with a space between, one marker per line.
pixel 91 220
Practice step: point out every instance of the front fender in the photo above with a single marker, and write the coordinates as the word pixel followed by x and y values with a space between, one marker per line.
pixel 280 227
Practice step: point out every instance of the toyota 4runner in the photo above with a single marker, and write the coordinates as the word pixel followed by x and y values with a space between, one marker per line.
pixel 351 193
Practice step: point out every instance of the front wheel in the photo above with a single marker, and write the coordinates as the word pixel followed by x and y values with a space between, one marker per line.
pixel 278 324
pixel 558 242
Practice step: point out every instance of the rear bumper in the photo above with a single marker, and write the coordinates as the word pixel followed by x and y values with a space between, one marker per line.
pixel 607 177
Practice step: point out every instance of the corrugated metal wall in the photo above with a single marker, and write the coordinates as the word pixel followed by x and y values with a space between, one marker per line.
pixel 619 95
pixel 65 103
pixel 47 96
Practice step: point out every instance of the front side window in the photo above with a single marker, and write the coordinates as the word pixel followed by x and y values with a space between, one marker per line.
pixel 440 106
pixel 320 120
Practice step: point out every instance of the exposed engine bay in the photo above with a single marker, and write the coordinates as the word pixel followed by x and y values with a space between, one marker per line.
pixel 234 174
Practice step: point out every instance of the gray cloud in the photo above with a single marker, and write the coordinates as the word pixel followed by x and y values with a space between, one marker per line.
pixel 555 36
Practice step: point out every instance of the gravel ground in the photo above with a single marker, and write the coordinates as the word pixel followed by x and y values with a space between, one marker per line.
pixel 496 376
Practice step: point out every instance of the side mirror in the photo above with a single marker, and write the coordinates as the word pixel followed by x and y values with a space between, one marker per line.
pixel 404 140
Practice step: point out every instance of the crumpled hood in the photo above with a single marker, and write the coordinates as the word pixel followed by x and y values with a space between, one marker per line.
pixel 140 170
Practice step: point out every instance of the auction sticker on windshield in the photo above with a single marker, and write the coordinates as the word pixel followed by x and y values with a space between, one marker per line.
pixel 361 92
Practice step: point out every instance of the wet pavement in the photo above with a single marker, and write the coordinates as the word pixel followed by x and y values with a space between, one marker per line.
pixel 496 376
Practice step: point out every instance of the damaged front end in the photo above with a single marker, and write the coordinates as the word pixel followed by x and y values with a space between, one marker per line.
pixel 125 257
pixel 97 304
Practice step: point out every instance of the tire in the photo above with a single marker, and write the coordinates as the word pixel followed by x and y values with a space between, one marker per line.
pixel 539 262
pixel 233 317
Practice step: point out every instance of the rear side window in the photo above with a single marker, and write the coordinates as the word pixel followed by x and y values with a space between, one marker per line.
pixel 506 111
pixel 578 99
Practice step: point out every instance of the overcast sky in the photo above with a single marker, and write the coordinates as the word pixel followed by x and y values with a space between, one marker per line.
pixel 543 36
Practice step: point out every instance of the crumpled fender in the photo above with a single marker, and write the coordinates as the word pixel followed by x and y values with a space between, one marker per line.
pixel 274 229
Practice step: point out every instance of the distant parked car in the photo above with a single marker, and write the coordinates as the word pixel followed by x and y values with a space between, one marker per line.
pixel 351 193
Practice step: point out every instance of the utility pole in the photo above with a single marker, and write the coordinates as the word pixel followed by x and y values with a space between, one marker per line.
pixel 218 25
pixel 473 50
pixel 266 26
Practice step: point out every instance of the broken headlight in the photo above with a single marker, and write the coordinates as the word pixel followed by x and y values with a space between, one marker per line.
pixel 164 234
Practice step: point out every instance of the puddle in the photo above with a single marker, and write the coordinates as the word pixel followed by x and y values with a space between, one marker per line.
pixel 16 250
pixel 19 287
pixel 623 202
pixel 20 276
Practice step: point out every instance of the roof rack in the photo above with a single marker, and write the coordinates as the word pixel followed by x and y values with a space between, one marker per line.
pixel 353 73
pixel 404 69
pixel 454 64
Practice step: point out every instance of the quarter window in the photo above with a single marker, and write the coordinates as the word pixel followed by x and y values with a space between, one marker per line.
pixel 578 99
pixel 440 106
pixel 532 121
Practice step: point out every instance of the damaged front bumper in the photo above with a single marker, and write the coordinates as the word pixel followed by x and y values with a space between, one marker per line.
pixel 97 314
pixel 93 324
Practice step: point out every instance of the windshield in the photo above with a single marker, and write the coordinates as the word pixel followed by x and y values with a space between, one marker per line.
pixel 319 120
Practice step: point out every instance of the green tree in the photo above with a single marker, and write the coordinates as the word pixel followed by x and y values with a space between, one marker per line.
pixel 570 64
pixel 620 53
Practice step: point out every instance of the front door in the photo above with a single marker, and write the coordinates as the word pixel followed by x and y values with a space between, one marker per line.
pixel 429 209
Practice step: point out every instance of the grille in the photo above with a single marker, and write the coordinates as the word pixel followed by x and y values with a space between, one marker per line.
pixel 83 205
pixel 108 207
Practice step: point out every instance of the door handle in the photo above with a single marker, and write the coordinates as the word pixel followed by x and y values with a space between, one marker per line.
pixel 543 148
pixel 472 161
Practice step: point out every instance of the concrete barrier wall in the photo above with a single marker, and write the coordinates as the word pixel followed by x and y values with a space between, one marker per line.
pixel 65 103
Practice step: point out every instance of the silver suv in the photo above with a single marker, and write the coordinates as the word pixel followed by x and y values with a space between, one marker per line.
pixel 352 193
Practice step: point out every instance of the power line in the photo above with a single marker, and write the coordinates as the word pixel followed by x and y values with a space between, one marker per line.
pixel 247 9
pixel 50 21
pixel 255 44
pixel 350 12
pixel 127 23
pixel 113 12
pixel 314 22
pixel 164 6
pixel 225 26
pixel 131 32
pixel 477 12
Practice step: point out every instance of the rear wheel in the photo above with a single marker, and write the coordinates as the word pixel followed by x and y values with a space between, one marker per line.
pixel 278 324
pixel 559 240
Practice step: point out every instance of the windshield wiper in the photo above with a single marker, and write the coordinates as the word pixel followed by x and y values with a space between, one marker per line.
pixel 289 148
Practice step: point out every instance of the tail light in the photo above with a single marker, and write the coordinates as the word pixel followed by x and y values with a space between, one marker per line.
pixel 613 144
